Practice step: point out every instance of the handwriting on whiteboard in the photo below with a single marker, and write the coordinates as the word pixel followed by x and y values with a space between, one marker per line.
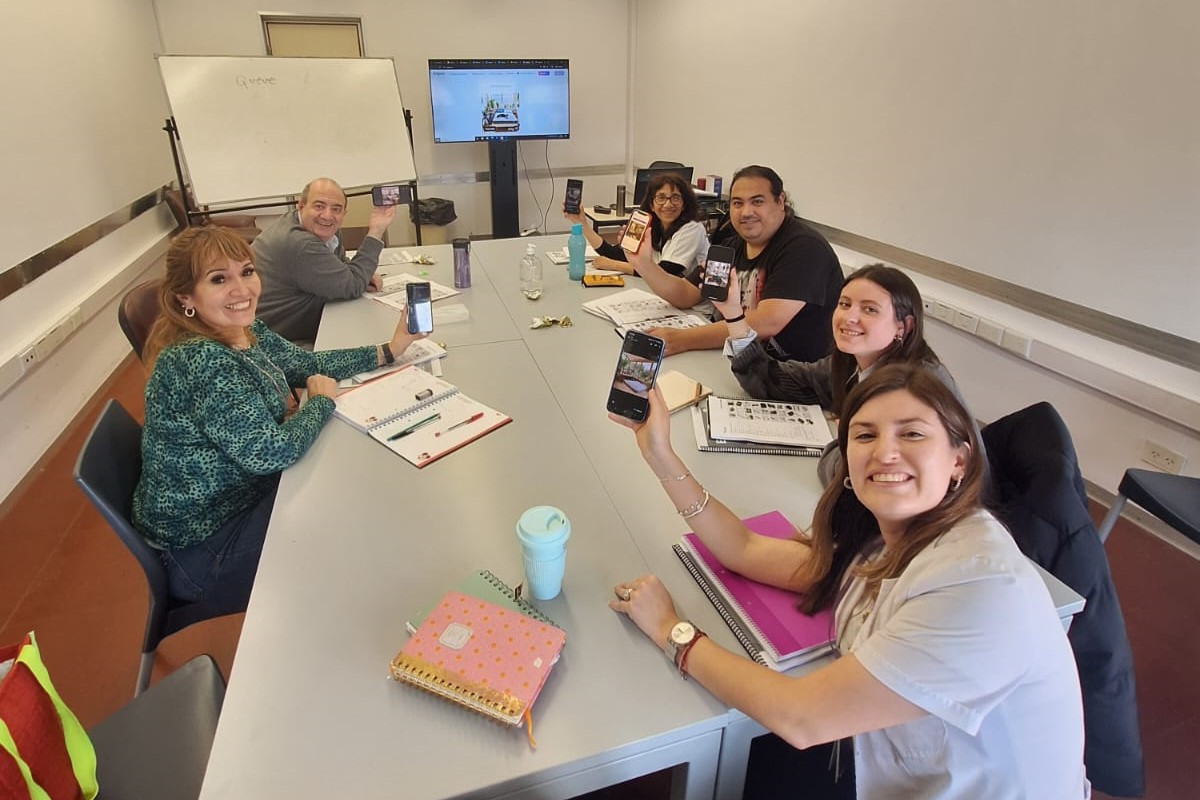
pixel 252 81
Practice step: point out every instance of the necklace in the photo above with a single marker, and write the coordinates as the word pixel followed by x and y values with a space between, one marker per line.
pixel 275 375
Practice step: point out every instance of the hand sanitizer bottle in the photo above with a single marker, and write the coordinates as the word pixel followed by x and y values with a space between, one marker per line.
pixel 531 274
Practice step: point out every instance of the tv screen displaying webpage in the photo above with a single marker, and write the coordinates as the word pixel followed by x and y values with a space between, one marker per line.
pixel 475 100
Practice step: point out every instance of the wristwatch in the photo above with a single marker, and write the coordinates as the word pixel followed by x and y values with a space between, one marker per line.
pixel 682 635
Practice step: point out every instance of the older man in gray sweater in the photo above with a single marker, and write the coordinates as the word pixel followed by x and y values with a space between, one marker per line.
pixel 302 262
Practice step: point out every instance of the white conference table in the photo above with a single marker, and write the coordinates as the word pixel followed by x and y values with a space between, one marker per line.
pixel 360 539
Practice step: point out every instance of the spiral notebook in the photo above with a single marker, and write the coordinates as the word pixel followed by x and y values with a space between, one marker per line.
pixel 707 444
pixel 417 416
pixel 486 586
pixel 764 618
pixel 483 656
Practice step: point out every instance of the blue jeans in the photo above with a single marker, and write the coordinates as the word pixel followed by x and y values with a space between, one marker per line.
pixel 219 571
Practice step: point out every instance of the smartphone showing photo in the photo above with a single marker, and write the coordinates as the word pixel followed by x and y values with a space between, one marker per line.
pixel 716 273
pixel 635 230
pixel 420 308
pixel 392 194
pixel 574 200
pixel 637 368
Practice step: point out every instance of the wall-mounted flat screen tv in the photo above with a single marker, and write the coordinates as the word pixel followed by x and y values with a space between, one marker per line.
pixel 476 100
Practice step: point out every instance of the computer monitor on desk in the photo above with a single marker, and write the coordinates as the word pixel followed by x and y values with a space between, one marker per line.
pixel 642 179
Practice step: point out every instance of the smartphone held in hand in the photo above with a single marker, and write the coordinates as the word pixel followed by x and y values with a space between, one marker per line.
pixel 392 194
pixel 419 313
pixel 637 368
pixel 716 273
pixel 635 231
pixel 574 200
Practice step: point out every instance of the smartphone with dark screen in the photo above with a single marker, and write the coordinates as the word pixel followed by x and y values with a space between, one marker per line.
pixel 574 199
pixel 392 194
pixel 716 273
pixel 420 307
pixel 637 368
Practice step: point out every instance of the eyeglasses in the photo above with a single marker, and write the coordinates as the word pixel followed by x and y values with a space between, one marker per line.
pixel 668 199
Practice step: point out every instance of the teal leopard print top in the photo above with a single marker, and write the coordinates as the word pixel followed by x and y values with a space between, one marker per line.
pixel 215 429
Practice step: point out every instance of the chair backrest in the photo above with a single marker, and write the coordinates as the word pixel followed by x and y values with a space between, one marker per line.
pixel 1041 498
pixel 137 312
pixel 641 180
pixel 107 471
pixel 158 744
pixel 1035 471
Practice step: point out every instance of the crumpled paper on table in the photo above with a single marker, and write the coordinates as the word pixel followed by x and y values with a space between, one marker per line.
pixel 550 322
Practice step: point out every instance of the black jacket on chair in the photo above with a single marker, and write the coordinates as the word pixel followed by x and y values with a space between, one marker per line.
pixel 1041 498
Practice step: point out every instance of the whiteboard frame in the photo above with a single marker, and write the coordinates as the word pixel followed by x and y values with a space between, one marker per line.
pixel 258 128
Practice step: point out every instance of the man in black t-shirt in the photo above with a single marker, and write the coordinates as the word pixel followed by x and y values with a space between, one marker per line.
pixel 790 276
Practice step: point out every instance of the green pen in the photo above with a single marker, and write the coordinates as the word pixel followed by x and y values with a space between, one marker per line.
pixel 414 427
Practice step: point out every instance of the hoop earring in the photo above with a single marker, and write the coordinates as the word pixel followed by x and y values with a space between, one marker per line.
pixel 189 312
pixel 847 484
pixel 898 338
pixel 957 483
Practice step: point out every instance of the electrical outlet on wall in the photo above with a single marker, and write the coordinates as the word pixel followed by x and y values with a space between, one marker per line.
pixel 1163 458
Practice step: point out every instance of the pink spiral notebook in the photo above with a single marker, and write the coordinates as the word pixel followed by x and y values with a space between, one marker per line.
pixel 490 659
pixel 764 618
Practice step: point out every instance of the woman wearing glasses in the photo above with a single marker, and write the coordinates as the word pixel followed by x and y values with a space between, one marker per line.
pixel 678 240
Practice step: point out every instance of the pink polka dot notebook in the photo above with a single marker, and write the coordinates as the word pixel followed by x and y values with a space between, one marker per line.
pixel 490 659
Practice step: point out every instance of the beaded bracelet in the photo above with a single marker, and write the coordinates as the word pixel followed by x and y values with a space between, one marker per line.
pixel 682 477
pixel 696 507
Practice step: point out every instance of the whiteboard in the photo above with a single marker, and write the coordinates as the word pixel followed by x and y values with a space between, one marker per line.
pixel 254 128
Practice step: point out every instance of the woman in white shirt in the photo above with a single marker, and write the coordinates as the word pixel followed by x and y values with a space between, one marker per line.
pixel 678 240
pixel 955 677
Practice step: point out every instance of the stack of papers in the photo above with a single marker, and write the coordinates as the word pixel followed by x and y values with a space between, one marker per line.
pixel 423 352
pixel 729 425
pixel 391 293
pixel 634 306
pixel 560 257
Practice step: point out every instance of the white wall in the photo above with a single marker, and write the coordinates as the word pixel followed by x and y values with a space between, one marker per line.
pixel 1053 145
pixel 81 140
pixel 594 36
pixel 111 110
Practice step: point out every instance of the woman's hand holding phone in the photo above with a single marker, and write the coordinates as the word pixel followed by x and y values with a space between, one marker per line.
pixel 654 432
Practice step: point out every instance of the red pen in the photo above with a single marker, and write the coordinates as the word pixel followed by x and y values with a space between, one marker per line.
pixel 478 415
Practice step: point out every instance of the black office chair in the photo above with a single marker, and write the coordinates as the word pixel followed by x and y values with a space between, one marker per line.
pixel 137 312
pixel 107 471
pixel 1175 499
pixel 664 164
pixel 157 745
pixel 1040 496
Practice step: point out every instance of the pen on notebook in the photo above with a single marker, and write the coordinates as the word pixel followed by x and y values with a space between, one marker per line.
pixel 478 415
pixel 414 427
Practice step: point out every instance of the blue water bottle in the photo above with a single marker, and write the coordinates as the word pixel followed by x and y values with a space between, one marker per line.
pixel 575 252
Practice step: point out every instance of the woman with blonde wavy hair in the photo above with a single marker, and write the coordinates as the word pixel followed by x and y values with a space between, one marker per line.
pixel 222 419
